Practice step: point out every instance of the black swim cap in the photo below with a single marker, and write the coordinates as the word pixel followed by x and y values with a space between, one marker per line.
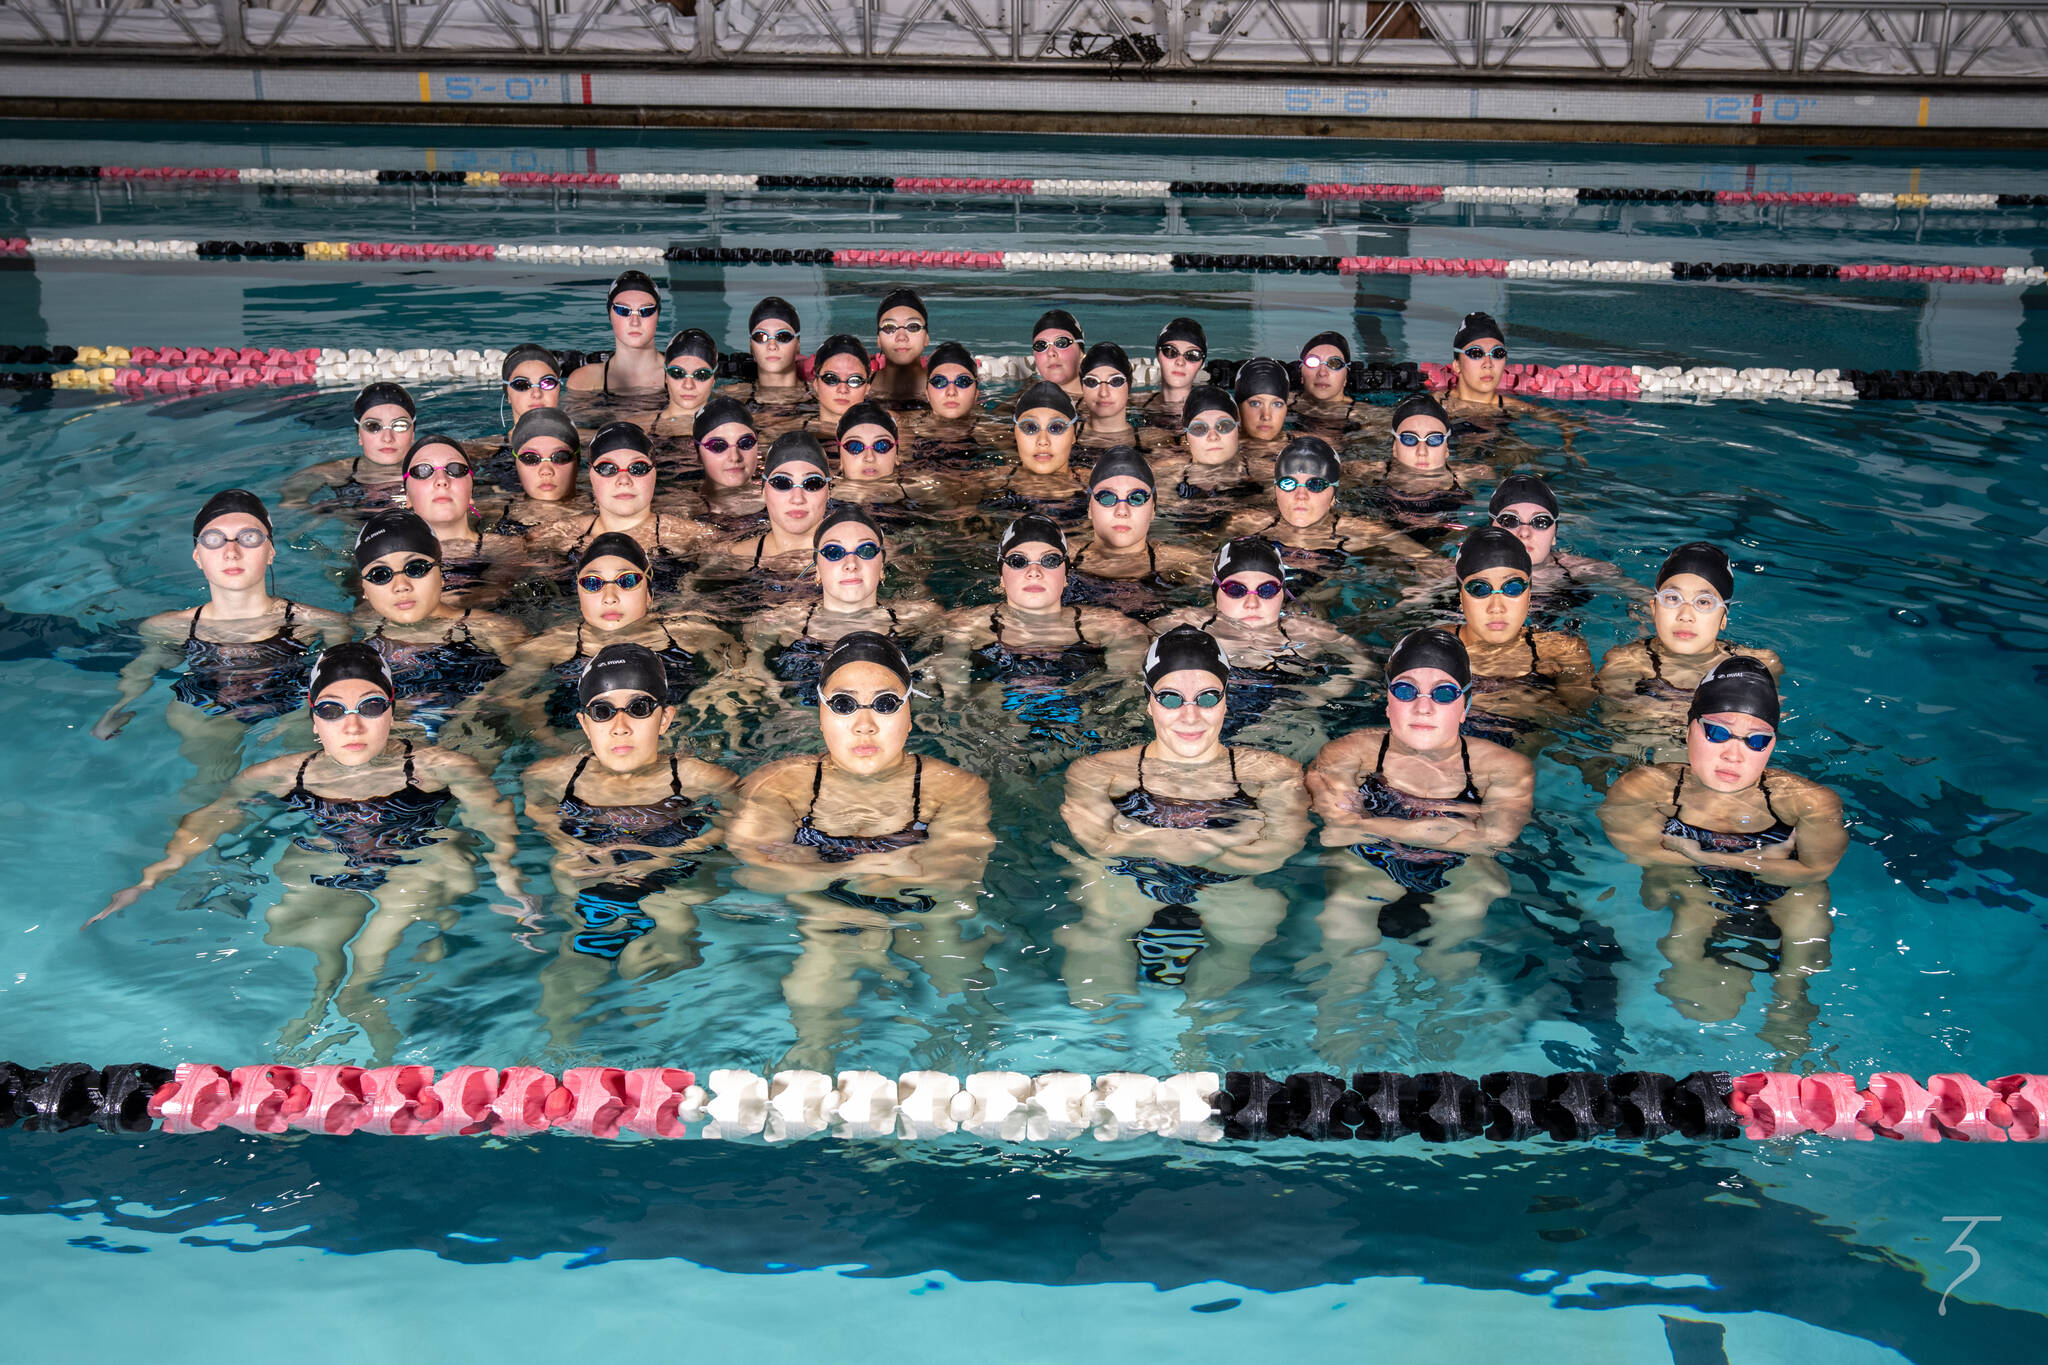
pixel 951 353
pixel 1250 554
pixel 777 310
pixel 1106 353
pixel 430 439
pixel 228 502
pixel 1478 327
pixel 617 436
pixel 526 353
pixel 865 647
pixel 1056 320
pixel 795 447
pixel 394 530
pixel 1208 398
pixel 1121 462
pixel 546 422
pixel 692 341
pixel 1031 529
pixel 902 298
pixel 1490 547
pixel 840 344
pixel 850 512
pixel 623 667
pixel 1703 561
pixel 1737 684
pixel 1046 394
pixel 1186 647
pixel 339 663
pixel 1430 647
pixel 720 412
pixel 1521 488
pixel 631 282
pixel 381 393
pixel 1262 375
pixel 1328 339
pixel 866 414
pixel 1307 457
pixel 614 545
pixel 1420 405
pixel 1181 331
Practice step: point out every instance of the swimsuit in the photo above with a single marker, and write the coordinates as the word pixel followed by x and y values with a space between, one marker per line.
pixel 1422 870
pixel 610 909
pixel 1135 597
pixel 682 667
pixel 250 681
pixel 802 660
pixel 1501 729
pixel 368 833
pixel 1173 812
pixel 434 678
pixel 1169 942
pixel 844 848
pixel 1426 506
pixel 1185 489
pixel 1734 889
pixel 1072 508
pixel 352 493
pixel 1253 691
pixel 1657 687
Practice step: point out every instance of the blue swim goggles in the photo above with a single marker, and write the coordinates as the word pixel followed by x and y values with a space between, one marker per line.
pixel 1480 588
pixel 1443 694
pixel 1287 483
pixel 1721 734
pixel 832 554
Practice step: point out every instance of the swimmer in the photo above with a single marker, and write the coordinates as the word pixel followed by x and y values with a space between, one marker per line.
pixel 374 476
pixel 1523 504
pixel 1312 534
pixel 622 487
pixel 532 378
pixel 947 434
pixel 1213 466
pixel 1121 565
pixel 1170 832
pixel 1419 486
pixel 1479 359
pixel 379 858
pixel 546 448
pixel 775 341
pixel 633 306
pixel 1521 675
pixel 1740 852
pixel 1056 349
pixel 1263 392
pixel 840 378
pixel 902 327
pixel 1106 397
pixel 796 489
pixel 869 454
pixel 689 374
pixel 1325 374
pixel 1043 479
pixel 1182 349
pixel 729 456
pixel 440 486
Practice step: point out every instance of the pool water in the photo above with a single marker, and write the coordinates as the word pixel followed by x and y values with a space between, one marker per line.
pixel 1895 555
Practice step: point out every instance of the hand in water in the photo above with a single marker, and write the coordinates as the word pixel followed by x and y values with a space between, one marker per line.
pixel 121 901
pixel 109 725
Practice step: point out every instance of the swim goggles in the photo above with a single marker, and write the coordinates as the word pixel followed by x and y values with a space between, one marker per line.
pixel 530 458
pixel 640 708
pixel 401 425
pixel 718 445
pixel 369 708
pixel 889 329
pixel 700 374
pixel 1476 352
pixel 1443 694
pixel 1705 603
pixel 1031 426
pixel 1287 483
pixel 1721 734
pixel 1115 381
pixel 810 483
pixel 958 381
pixel 455 469
pixel 884 704
pixel 1233 589
pixel 610 469
pixel 881 445
pixel 1222 426
pixel 1017 559
pixel 547 383
pixel 1480 588
pixel 1316 362
pixel 1542 521
pixel 627 311
pixel 380 574
pixel 248 538
pixel 850 381
pixel 832 554
pixel 1173 701
pixel 1432 440
pixel 627 581
pixel 1194 355
pixel 1137 497
pixel 781 336
pixel 1064 343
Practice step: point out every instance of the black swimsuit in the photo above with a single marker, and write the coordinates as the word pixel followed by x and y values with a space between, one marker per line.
pixel 350 492
pixel 1736 890
pixel 1138 597
pixel 1421 870
pixel 1185 489
pixel 682 667
pixel 435 678
pixel 1253 691
pixel 844 848
pixel 803 659
pixel 610 909
pixel 1170 941
pixel 369 833
pixel 1056 666
pixel 251 681
pixel 1424 508
pixel 1657 687
pixel 1507 729
pixel 1072 508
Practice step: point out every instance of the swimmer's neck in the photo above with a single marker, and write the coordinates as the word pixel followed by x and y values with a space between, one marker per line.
pixel 879 777
pixel 1708 650
pixel 394 466
pixel 674 409
pixel 1105 552
pixel 646 625
pixel 239 604
pixel 610 522
pixel 1057 609
pixel 1230 458
pixel 1105 426
pixel 1396 745
pixel 367 763
pixel 657 763
pixel 829 607
pixel 1063 470
pixel 1154 751
pixel 775 542
pixel 1476 643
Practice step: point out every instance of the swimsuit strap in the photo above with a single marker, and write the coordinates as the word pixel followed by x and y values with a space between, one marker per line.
pixel 892 619
pixel 1676 788
pixel 1529 638
pixel 463 622
pixel 583 537
pixel 675 778
pixel 1074 564
pixel 1141 766
pixel 1080 636
pixel 1235 781
pixel 289 607
pixel 1151 556
pixel 1379 767
pixel 1465 757
pixel 1280 624
pixel 579 639
pixel 1776 818
pixel 299 783
pixel 995 622
pixel 408 762
pixel 916 787
pixel 669 635
pixel 606 377
pixel 192 631
pixel 760 546
pixel 804 631
pixel 569 792
pixel 817 785
pixel 1656 668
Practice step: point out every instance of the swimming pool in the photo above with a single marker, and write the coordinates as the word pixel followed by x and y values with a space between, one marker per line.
pixel 1892 554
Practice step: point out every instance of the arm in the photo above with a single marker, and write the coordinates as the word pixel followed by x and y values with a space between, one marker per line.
pixel 487 812
pixel 1572 661
pixel 299 489
pixel 1103 833
pixel 201 829
pixel 1819 839
pixel 1633 816
pixel 1282 828
pixel 158 653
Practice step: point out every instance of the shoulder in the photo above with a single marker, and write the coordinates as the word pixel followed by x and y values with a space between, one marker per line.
pixel 276 772
pixel 1109 619
pixel 703 776
pixel 1179 616
pixel 1802 796
pixel 551 772
pixel 1095 770
pixel 1350 749
pixel 771 778
pixel 1498 762
pixel 448 763
pixel 319 615
pixel 1561 642
pixel 950 783
pixel 1266 767
pixel 168 623
pixel 1767 657
pixel 1647 784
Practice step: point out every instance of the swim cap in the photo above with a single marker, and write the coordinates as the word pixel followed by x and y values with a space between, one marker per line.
pixel 720 412
pixel 902 298
pixel 526 353
pixel 394 530
pixel 1249 554
pixel 1181 331
pixel 1307 457
pixel 1208 398
pixel 1056 320
pixel 1262 375
pixel 1430 647
pixel 1739 684
pixel 794 447
pixel 1031 529
pixel 837 345
pixel 228 502
pixel 1490 547
pixel 1703 561
pixel 616 436
pixel 1106 353
pixel 379 394
pixel 1420 405
pixel 614 545
pixel 1121 462
pixel 623 667
pixel 692 341
pixel 430 439
pixel 633 282
pixel 1186 647
pixel 1521 488
pixel 850 512
pixel 355 659
pixel 1046 394
pixel 1328 339
pixel 1478 327
pixel 951 353
pixel 866 414
pixel 865 647
pixel 776 310
pixel 546 422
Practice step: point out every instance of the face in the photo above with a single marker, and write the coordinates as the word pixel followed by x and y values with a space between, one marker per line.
pixel 613 605
pixel 523 401
pixel 1263 415
pixel 1105 393
pixel 852 581
pixel 1121 526
pixel 1189 730
pixel 552 476
pixel 234 566
pixel 622 492
pixel 403 599
pixel 952 399
pixel 775 354
pixel 1180 364
pixel 1060 361
pixel 1496 617
pixel 864 742
pixel 440 496
pixel 901 335
pixel 689 392
pixel 1033 587
pixel 384 445
pixel 1209 445
pixel 1480 376
pixel 1422 457
pixel 1423 723
pixel 1322 372
pixel 1688 628
pixel 1539 543
pixel 846 385
pixel 726 465
pixel 1250 609
pixel 635 332
pixel 354 739
pixel 1301 507
pixel 622 743
pixel 867 462
pixel 796 511
pixel 1045 440
pixel 1730 766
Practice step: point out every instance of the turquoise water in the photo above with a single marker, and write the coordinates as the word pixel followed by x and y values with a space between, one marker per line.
pixel 1893 555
